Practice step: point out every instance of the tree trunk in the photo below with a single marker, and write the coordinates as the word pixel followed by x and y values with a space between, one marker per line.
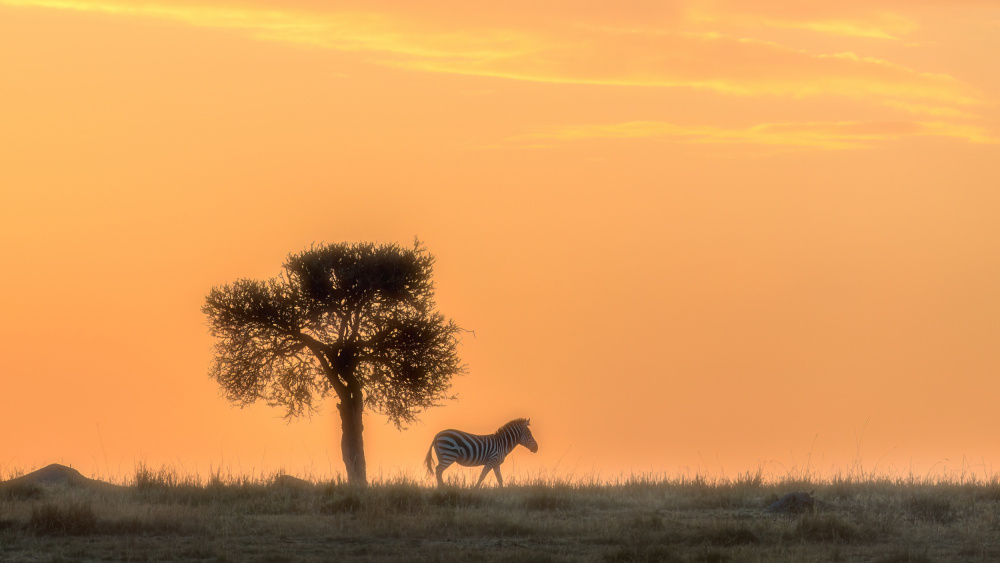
pixel 352 443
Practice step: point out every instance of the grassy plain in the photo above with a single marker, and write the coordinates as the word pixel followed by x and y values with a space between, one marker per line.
pixel 159 516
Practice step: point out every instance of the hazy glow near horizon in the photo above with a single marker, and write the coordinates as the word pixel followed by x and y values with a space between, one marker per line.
pixel 690 235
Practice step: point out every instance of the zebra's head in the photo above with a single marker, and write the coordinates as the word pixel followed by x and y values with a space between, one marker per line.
pixel 525 438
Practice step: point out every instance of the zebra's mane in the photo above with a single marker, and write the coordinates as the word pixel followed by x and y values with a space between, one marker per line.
pixel 516 422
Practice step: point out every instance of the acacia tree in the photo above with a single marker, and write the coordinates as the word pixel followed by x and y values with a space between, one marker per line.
pixel 357 320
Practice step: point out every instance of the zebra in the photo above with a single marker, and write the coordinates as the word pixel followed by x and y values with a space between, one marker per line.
pixel 473 449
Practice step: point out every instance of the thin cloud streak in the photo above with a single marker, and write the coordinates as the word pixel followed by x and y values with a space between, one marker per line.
pixel 880 25
pixel 344 31
pixel 828 135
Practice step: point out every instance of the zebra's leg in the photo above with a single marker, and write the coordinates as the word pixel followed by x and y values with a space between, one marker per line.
pixel 485 472
pixel 496 471
pixel 439 471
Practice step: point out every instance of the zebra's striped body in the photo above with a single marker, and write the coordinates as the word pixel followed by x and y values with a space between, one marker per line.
pixel 466 449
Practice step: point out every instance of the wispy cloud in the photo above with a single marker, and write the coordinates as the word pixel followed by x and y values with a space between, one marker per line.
pixel 712 62
pixel 342 30
pixel 876 30
pixel 660 53
pixel 820 135
pixel 871 24
pixel 936 111
pixel 568 54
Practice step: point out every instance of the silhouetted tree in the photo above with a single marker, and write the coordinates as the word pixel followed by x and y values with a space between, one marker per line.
pixel 357 319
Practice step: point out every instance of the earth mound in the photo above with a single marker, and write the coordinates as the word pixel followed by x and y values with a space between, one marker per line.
pixel 55 475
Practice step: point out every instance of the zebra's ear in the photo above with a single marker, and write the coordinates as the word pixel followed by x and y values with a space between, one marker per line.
pixel 528 423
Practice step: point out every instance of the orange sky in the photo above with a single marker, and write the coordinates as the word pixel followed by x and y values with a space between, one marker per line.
pixel 689 235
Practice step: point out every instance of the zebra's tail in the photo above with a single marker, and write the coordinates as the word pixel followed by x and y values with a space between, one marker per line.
pixel 430 460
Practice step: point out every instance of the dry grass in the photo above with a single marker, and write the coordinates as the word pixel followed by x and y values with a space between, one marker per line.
pixel 161 516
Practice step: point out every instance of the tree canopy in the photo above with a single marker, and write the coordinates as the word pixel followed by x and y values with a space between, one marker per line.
pixel 355 320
